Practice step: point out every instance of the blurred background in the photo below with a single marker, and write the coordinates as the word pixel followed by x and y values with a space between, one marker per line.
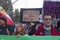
pixel 16 9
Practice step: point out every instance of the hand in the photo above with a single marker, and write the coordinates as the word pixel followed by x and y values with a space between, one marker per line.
pixel 18 35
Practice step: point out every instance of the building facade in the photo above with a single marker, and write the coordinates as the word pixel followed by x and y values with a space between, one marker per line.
pixel 52 7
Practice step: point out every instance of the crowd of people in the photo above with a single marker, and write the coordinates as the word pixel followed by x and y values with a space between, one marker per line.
pixel 48 27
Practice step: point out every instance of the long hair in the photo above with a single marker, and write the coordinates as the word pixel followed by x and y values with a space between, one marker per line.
pixel 22 31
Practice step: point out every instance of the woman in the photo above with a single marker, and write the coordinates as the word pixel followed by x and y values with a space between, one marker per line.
pixel 20 31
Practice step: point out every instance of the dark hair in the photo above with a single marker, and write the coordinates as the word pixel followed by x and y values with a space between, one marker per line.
pixel 47 15
pixel 58 24
pixel 29 23
pixel 3 18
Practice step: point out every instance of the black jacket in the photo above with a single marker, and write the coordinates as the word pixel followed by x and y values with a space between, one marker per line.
pixel 32 30
pixel 3 30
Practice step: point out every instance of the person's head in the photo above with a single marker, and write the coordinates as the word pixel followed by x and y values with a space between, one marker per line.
pixel 47 19
pixel 31 24
pixel 3 21
pixel 58 24
pixel 20 29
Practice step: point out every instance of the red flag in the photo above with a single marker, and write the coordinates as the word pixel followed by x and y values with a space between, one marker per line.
pixel 9 20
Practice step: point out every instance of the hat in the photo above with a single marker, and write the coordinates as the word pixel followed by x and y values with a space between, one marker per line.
pixel 3 18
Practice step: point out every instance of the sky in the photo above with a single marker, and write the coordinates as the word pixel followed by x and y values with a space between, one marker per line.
pixel 27 4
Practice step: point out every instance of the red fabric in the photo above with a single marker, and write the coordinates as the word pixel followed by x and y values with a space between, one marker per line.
pixel 9 22
pixel 40 32
pixel 58 33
